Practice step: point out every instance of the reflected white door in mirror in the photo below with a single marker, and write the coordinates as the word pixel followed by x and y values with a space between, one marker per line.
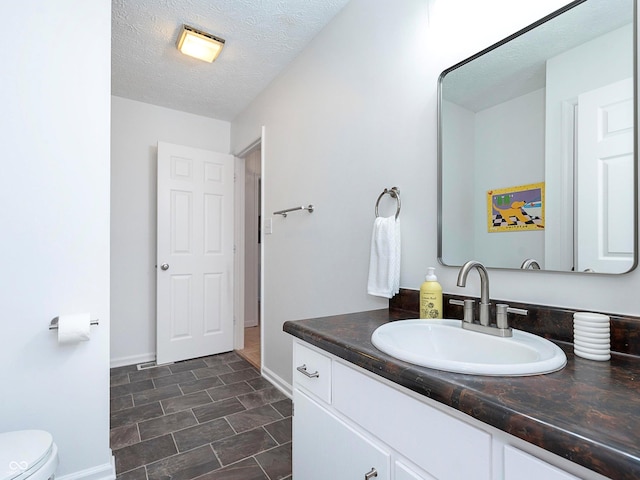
pixel 604 179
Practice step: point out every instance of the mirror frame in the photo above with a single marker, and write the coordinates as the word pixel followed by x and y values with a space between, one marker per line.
pixel 636 116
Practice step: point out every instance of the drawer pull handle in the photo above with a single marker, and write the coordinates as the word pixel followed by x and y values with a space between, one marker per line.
pixel 303 370
pixel 372 474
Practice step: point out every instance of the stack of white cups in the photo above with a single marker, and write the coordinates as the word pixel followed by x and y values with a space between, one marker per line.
pixel 591 336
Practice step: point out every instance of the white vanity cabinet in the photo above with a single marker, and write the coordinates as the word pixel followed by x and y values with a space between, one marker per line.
pixel 519 465
pixel 358 428
pixel 438 443
pixel 325 445
pixel 328 448
pixel 402 472
pixel 350 424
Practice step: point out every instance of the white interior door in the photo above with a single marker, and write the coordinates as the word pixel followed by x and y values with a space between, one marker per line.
pixel 195 253
pixel 605 179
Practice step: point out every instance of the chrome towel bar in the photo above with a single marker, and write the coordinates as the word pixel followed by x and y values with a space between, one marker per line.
pixel 294 209
pixel 54 323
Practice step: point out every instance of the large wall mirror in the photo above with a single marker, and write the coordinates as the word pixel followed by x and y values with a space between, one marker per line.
pixel 536 145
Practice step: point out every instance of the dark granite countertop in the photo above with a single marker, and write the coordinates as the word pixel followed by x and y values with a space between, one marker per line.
pixel 588 413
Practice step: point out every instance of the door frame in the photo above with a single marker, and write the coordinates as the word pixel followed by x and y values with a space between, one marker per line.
pixel 238 258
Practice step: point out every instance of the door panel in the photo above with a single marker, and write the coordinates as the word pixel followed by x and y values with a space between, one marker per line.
pixel 195 243
pixel 605 179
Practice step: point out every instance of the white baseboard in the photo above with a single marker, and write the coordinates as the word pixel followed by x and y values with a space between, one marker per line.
pixel 106 471
pixel 277 382
pixel 132 360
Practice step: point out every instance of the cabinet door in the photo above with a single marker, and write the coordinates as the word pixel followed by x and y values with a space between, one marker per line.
pixel 438 443
pixel 522 466
pixel 405 473
pixel 324 447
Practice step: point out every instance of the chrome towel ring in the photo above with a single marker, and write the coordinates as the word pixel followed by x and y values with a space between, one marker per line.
pixel 393 192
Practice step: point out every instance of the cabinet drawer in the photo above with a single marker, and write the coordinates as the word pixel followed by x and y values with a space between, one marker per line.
pixel 522 466
pixel 312 371
pixel 440 444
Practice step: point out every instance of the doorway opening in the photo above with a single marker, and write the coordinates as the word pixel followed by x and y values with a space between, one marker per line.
pixel 251 252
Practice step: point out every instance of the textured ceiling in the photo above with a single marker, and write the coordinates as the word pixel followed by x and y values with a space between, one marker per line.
pixel 262 37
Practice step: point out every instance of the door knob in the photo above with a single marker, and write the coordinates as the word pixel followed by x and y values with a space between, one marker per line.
pixel 164 266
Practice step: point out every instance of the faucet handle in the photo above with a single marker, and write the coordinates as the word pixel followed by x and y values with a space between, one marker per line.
pixel 468 310
pixel 501 315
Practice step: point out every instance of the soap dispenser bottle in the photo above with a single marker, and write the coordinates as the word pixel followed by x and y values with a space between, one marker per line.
pixel 431 296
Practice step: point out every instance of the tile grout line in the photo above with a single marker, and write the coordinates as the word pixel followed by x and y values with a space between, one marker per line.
pixel 271 436
pixel 175 444
pixel 209 395
pixel 261 467
pixel 139 433
pixel 268 450
pixel 215 454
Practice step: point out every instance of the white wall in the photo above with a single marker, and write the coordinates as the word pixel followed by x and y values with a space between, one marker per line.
pixel 54 193
pixel 136 128
pixel 348 118
pixel 355 113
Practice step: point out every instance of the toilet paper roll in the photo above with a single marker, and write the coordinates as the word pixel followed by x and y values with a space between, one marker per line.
pixel 74 328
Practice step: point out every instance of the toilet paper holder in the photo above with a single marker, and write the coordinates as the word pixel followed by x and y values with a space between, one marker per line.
pixel 54 323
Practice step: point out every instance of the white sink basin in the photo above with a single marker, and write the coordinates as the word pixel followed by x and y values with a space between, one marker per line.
pixel 444 345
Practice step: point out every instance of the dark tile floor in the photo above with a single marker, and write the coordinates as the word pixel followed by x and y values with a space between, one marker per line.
pixel 211 418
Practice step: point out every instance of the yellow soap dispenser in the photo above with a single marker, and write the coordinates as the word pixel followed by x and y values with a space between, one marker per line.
pixel 431 296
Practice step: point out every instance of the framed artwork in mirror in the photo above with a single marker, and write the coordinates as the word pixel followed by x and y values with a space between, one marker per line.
pixel 516 209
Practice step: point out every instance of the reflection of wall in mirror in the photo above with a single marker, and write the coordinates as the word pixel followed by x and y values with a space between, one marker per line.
pixel 599 62
pixel 458 176
pixel 506 146
pixel 509 149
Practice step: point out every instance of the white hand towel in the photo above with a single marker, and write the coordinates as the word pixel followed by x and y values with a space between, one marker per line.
pixel 384 263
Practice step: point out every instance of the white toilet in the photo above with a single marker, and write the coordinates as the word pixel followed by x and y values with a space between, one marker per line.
pixel 28 454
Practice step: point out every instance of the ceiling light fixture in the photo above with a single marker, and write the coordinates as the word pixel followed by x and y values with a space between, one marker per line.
pixel 199 44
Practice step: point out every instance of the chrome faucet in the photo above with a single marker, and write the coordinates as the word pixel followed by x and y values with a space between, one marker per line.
pixel 501 328
pixel 484 287
pixel 530 263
